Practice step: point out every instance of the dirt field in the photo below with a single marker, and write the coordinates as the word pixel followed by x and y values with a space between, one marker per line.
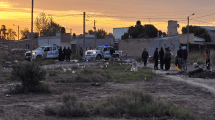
pixel 191 93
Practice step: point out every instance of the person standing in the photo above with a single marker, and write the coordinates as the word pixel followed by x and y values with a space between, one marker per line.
pixel 60 54
pixel 81 51
pixel 64 53
pixel 68 53
pixel 207 57
pixel 167 59
pixel 156 59
pixel 180 54
pixel 185 57
pixel 161 55
pixel 145 56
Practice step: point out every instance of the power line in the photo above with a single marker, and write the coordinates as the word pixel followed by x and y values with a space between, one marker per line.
pixel 203 16
pixel 204 22
pixel 131 17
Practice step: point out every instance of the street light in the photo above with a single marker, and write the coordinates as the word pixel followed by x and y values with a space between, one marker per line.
pixel 18 35
pixel 188 18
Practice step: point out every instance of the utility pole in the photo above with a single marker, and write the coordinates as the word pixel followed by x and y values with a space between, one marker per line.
pixel 70 31
pixel 188 43
pixel 84 35
pixel 32 27
pixel 188 49
pixel 94 27
pixel 18 36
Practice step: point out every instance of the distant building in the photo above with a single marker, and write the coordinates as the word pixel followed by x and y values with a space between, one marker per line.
pixel 172 28
pixel 211 31
pixel 118 32
pixel 91 42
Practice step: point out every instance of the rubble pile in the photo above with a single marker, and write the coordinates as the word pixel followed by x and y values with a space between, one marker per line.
pixel 196 73
pixel 203 74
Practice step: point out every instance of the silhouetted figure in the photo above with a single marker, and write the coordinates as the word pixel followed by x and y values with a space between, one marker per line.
pixel 145 56
pixel 60 54
pixel 161 55
pixel 156 59
pixel 64 53
pixel 68 53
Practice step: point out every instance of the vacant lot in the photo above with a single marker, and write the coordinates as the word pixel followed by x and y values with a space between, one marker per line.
pixel 80 79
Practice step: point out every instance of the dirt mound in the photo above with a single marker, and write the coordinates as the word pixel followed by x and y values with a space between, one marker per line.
pixel 197 73
pixel 203 74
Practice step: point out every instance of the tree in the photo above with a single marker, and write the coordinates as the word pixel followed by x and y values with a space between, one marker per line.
pixel 74 35
pixel 100 34
pixel 46 26
pixel 11 34
pixel 198 31
pixel 139 31
pixel 3 32
pixel 90 32
pixel 24 33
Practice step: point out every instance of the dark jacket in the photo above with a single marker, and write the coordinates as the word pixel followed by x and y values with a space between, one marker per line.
pixel 161 54
pixel 156 55
pixel 180 53
pixel 68 51
pixel 185 54
pixel 64 51
pixel 145 55
pixel 112 51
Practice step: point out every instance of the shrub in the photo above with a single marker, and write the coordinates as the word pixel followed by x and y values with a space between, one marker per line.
pixel 69 108
pixel 53 73
pixel 30 74
pixel 137 104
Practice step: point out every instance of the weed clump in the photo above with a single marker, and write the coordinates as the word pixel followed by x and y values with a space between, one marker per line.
pixel 69 108
pixel 30 74
pixel 137 104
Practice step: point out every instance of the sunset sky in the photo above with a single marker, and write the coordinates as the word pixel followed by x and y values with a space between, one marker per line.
pixel 109 14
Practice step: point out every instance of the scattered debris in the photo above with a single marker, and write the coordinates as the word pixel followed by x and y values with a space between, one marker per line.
pixel 101 66
pixel 95 84
pixel 7 64
pixel 64 69
pixel 16 61
pixel 7 95
pixel 127 60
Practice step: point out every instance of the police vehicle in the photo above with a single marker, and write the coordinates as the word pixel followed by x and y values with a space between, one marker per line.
pixel 101 52
pixel 43 52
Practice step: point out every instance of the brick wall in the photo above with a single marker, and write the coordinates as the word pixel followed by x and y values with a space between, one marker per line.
pixel 65 37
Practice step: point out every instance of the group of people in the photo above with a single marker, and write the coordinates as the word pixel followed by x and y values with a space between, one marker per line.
pixel 164 56
pixel 64 53
pixel 181 58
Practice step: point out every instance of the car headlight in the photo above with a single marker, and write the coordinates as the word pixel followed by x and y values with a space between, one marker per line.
pixel 94 52
pixel 33 53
